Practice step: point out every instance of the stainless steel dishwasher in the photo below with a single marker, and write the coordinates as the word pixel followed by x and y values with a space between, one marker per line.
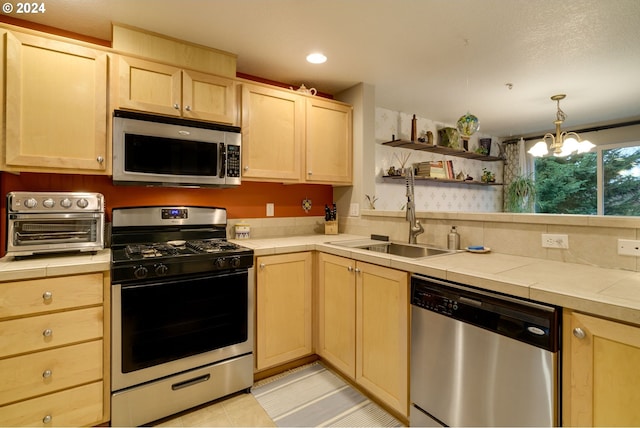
pixel 482 359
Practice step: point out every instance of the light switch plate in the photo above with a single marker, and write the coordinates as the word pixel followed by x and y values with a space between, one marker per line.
pixel 354 209
pixel 270 209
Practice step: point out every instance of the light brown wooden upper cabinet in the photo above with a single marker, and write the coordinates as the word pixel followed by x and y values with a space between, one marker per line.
pixel 55 101
pixel 329 142
pixel 292 138
pixel 272 134
pixel 164 89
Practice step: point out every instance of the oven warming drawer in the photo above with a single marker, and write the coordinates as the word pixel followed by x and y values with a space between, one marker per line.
pixel 151 401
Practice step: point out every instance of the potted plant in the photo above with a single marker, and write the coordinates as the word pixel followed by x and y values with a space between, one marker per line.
pixel 487 176
pixel 520 195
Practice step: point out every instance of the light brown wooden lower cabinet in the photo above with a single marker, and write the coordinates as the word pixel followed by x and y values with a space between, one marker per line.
pixel 54 358
pixel 601 372
pixel 283 308
pixel 363 326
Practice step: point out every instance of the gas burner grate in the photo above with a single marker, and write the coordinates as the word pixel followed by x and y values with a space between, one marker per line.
pixel 213 246
pixel 150 250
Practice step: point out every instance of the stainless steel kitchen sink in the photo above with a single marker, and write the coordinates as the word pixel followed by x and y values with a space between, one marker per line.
pixel 412 251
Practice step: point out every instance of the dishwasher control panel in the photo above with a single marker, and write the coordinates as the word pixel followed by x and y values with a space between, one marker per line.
pixel 425 298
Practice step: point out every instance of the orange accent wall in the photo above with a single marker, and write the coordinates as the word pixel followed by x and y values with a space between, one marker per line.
pixel 246 201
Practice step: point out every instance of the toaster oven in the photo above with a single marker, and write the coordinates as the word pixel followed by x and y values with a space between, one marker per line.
pixel 54 222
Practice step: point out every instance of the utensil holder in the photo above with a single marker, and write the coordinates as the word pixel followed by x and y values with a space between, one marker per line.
pixel 331 227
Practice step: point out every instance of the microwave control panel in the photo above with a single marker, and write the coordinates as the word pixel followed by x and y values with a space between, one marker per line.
pixel 233 161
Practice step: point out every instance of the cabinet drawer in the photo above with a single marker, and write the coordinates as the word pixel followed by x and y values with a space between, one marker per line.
pixel 49 294
pixel 49 331
pixel 48 371
pixel 80 406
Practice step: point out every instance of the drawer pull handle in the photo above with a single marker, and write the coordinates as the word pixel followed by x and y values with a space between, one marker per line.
pixel 47 295
pixel 190 382
pixel 47 419
pixel 47 333
pixel 47 374
pixel 579 333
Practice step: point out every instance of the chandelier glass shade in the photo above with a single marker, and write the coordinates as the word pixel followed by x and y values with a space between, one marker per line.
pixel 562 143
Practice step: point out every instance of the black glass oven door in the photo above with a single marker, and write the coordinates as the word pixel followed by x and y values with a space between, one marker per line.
pixel 168 320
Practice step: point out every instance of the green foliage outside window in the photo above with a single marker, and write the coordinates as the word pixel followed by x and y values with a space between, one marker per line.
pixel 569 185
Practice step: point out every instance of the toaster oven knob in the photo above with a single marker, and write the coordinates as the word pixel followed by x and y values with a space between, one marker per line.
pixel 161 269
pixel 65 203
pixel 82 203
pixel 30 203
pixel 140 272
pixel 48 203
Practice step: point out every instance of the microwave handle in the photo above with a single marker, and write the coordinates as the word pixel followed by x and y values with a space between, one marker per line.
pixel 223 160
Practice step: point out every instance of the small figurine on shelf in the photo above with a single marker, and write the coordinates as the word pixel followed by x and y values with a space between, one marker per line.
pixel 487 176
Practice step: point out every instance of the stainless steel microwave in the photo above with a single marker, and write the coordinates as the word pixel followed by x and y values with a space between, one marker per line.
pixel 165 151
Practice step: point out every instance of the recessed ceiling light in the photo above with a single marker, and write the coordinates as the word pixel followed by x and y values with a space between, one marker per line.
pixel 316 58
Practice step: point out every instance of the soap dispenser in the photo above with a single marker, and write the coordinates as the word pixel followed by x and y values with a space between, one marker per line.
pixel 453 239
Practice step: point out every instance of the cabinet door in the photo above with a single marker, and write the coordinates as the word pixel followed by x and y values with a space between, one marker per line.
pixel 272 134
pixel 149 86
pixel 329 142
pixel 283 308
pixel 382 332
pixel 56 106
pixel 602 382
pixel 208 97
pixel 337 312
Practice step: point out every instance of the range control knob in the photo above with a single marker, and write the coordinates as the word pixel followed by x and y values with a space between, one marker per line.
pixel 234 262
pixel 220 262
pixel 65 203
pixel 161 269
pixel 30 203
pixel 82 203
pixel 140 272
pixel 48 203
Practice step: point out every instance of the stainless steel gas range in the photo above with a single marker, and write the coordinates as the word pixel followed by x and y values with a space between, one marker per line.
pixel 182 312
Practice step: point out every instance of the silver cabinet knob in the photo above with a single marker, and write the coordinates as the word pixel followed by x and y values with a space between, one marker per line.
pixel 310 172
pixel 176 106
pixel 47 374
pixel 47 419
pixel 47 295
pixel 350 268
pixel 579 333
pixel 262 265
pixel 100 160
pixel 47 333
pixel 357 270
pixel 246 168
pixel 187 108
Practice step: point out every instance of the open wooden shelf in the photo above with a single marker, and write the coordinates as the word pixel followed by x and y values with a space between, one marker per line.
pixel 441 150
pixel 442 180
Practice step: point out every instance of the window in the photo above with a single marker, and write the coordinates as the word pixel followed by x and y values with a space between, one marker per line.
pixel 605 182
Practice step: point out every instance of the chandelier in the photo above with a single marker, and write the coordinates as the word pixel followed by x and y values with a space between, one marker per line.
pixel 563 143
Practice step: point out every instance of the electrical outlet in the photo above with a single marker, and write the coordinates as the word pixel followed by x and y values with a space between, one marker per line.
pixel 270 209
pixel 354 209
pixel 628 247
pixel 550 240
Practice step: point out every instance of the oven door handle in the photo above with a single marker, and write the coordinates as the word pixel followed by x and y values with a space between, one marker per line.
pixel 56 216
pixel 190 382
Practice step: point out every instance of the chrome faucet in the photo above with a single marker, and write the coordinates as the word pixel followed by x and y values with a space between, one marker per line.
pixel 415 228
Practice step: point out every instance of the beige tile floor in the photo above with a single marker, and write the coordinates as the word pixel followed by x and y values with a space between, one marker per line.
pixel 238 410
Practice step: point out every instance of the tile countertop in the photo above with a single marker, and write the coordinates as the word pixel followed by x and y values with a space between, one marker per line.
pixel 609 293
pixel 41 266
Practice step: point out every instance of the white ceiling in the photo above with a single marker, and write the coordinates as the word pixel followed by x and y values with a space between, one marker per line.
pixel 433 58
